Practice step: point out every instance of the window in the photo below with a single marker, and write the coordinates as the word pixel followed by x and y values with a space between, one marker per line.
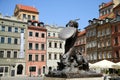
pixel 30 45
pixel 16 30
pixel 1 69
pixel 32 69
pixel 3 28
pixel 9 29
pixel 42 57
pixel 50 45
pixel 36 34
pixel 36 57
pixel 1 54
pixel 36 46
pixel 117 54
pixel 60 45
pixel 49 34
pixel 107 31
pixel 24 16
pixel 8 54
pixel 109 55
pixel 43 35
pixel 60 56
pixel 22 30
pixel 49 56
pixel 15 41
pixel 29 17
pixel 116 40
pixel 54 34
pixel 15 54
pixel 33 17
pixel 30 57
pixel 6 69
pixel 42 46
pixel 2 39
pixel 43 69
pixel 9 40
pixel 116 28
pixel 55 56
pixel 55 45
pixel 104 55
pixel 100 55
pixel 30 34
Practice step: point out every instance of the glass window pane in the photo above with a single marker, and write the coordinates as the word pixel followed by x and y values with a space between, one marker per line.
pixel 1 54
pixel 42 47
pixel 22 30
pixel 9 29
pixel 15 41
pixel 30 33
pixel 15 54
pixel 32 69
pixel 30 57
pixel 36 46
pixel 6 69
pixel 1 69
pixel 2 39
pixel 3 28
pixel 30 45
pixel 43 35
pixel 16 30
pixel 42 57
pixel 9 40
pixel 8 54
pixel 36 57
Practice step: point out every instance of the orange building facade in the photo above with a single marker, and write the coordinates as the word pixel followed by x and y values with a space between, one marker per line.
pixel 80 43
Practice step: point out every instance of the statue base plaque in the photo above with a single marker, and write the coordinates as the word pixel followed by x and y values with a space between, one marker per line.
pixel 91 78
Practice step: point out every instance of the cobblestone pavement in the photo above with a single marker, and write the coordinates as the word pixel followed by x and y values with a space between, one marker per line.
pixel 21 78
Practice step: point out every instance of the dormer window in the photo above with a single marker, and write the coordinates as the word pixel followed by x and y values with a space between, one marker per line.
pixel 35 23
pixel 41 24
pixel 90 22
pixel 94 20
pixel 106 20
pixel 29 23
pixel 101 22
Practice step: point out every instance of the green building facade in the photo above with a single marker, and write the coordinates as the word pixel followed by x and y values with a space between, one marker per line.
pixel 12 46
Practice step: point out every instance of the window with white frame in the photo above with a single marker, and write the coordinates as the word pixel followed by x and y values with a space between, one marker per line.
pixel 107 31
pixel 3 28
pixel 8 54
pixel 1 54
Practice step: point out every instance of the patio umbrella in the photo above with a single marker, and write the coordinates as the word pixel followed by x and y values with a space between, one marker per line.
pixel 116 66
pixel 104 64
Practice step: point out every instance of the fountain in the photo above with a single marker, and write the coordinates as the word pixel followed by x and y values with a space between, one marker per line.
pixel 73 65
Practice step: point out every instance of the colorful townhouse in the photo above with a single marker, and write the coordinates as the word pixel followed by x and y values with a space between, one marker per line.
pixel 36 40
pixel 105 34
pixel 55 47
pixel 12 46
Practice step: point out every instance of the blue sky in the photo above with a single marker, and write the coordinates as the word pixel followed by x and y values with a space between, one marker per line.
pixel 58 12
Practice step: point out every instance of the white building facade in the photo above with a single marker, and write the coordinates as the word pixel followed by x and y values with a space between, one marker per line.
pixel 55 47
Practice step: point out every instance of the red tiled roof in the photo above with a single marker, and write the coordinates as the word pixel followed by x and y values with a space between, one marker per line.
pixel 104 16
pixel 116 7
pixel 81 33
pixel 27 8
pixel 111 15
pixel 107 4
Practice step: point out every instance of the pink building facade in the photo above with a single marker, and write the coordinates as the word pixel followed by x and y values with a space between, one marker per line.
pixel 36 49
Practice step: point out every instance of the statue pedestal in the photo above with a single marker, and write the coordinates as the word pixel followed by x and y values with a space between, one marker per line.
pixel 91 78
